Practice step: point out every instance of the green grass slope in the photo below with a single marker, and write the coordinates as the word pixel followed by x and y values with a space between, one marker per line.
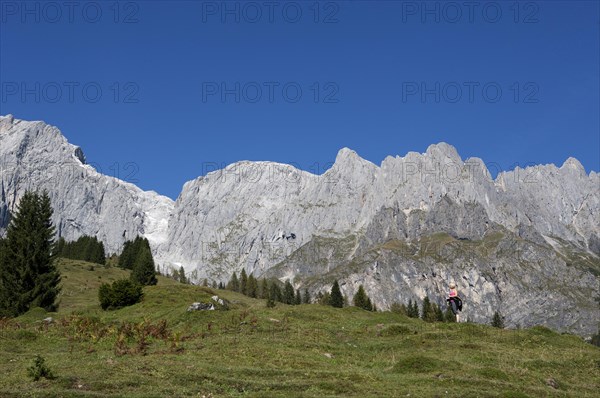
pixel 157 349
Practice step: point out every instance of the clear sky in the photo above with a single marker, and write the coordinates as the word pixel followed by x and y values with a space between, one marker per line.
pixel 160 92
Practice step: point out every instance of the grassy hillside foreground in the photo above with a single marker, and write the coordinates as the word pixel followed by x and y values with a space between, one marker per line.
pixel 156 348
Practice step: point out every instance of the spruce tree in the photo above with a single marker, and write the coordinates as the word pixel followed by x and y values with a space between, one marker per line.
pixel 361 300
pixel 127 256
pixel 439 314
pixel 99 253
pixel 398 308
pixel 272 295
pixel 252 287
pixel 181 275
pixel 288 293
pixel 336 299
pixel 427 312
pixel 143 271
pixel 306 297
pixel 275 290
pixel 415 309
pixel 498 320
pixel 263 289
pixel 243 282
pixel 234 283
pixel 28 275
pixel 298 299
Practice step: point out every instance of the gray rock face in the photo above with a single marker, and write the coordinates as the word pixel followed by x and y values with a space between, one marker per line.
pixel 34 155
pixel 275 220
pixel 526 243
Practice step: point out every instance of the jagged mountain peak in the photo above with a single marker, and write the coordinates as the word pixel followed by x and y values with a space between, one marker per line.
pixel 444 149
pixel 35 155
pixel 348 162
pixel 573 164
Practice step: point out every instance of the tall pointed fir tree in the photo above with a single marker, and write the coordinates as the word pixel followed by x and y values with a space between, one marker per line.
pixel 251 286
pixel 306 297
pixel 234 283
pixel 28 274
pixel 143 271
pixel 288 293
pixel 361 300
pixel 263 289
pixel 336 299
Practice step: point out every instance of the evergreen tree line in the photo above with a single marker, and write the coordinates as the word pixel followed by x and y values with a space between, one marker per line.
pixel 335 298
pixel 28 274
pixel 86 248
pixel 430 312
pixel 270 290
pixel 179 276
pixel 137 257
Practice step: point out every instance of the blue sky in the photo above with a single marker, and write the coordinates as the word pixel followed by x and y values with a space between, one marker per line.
pixel 159 92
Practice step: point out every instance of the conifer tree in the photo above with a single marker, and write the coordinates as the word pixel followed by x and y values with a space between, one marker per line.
pixel 288 293
pixel 181 275
pixel 361 300
pixel 28 274
pixel 398 308
pixel 214 284
pixel 413 309
pixel 243 282
pixel 298 298
pixel 263 289
pixel 251 287
pixel 275 291
pixel 144 271
pixel 127 257
pixel 498 320
pixel 234 283
pixel 306 297
pixel 272 295
pixel 336 299
pixel 439 314
pixel 427 312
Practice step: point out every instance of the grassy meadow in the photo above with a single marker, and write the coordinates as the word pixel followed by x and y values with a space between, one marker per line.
pixel 157 349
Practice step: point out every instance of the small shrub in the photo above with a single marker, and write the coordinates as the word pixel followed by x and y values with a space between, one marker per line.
pixel 121 293
pixel 498 320
pixel 39 369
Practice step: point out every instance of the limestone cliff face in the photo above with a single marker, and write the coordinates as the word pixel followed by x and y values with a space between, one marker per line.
pixel 526 243
pixel 34 155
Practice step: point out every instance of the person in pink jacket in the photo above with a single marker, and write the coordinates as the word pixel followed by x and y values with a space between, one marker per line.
pixel 454 301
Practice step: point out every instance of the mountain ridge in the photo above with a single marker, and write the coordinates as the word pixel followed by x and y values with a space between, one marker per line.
pixel 349 222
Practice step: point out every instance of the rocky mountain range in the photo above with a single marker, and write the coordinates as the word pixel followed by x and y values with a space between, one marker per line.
pixel 525 243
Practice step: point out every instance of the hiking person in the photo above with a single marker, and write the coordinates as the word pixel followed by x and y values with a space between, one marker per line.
pixel 454 301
